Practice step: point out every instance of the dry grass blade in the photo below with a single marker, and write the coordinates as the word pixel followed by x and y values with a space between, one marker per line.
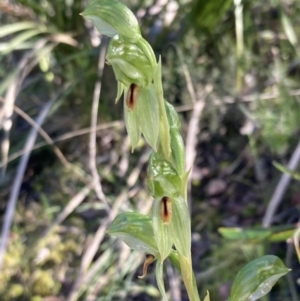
pixel 24 67
pixel 281 188
pixel 193 129
pixel 18 180
pixel 191 141
pixel 71 206
pixel 82 175
pixel 92 248
pixel 40 130
pixel 27 63
pixel 187 75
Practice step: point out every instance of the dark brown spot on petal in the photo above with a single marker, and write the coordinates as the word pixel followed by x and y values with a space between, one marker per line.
pixel 149 259
pixel 132 95
pixel 166 210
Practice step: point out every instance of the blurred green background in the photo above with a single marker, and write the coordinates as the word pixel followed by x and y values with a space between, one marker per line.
pixel 240 58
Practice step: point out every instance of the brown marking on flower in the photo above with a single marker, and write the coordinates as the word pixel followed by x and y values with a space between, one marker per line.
pixel 132 95
pixel 166 210
pixel 149 259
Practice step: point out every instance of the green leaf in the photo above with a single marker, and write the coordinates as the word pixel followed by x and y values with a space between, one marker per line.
pixel 111 17
pixel 288 28
pixel 282 235
pixel 236 233
pixel 257 278
pixel 136 230
pixel 287 171
pixel 255 235
pixel 20 38
pixel 12 28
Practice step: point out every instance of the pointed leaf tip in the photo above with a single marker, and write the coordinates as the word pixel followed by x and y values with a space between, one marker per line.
pixel 207 298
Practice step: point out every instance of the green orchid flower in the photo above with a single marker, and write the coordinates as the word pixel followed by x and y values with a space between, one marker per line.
pixel 133 62
pixel 141 111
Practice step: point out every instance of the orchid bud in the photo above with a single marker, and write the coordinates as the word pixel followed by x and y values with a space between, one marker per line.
pixel 111 17
pixel 163 179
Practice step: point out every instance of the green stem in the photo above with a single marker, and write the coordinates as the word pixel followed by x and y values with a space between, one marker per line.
pixel 188 277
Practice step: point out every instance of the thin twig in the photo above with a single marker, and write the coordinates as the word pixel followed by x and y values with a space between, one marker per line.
pixel 82 175
pixel 197 107
pixel 27 63
pixel 93 247
pixel 191 142
pixel 90 252
pixel 281 188
pixel 94 117
pixel 193 128
pixel 18 180
pixel 187 75
pixel 66 136
pixel 134 175
pixel 71 206
pixel 124 160
pixel 40 130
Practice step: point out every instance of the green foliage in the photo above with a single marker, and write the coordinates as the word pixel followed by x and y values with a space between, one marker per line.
pixel 136 231
pixel 285 170
pixel 257 278
pixel 257 235
pixel 206 14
